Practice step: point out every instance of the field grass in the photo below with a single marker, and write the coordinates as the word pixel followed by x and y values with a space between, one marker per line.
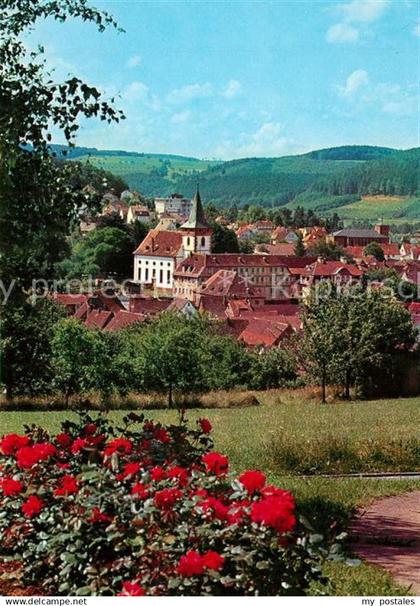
pixel 394 209
pixel 246 435
pixel 126 165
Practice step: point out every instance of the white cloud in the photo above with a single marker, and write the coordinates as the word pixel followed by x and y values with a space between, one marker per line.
pixel 388 97
pixel 267 140
pixel 342 32
pixel 181 117
pixel 133 61
pixel 190 92
pixel 363 11
pixel 405 106
pixel 356 80
pixel 135 91
pixel 359 12
pixel 232 89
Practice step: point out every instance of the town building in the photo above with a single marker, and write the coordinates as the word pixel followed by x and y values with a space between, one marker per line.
pixel 173 204
pixel 161 251
pixel 139 212
pixel 361 237
pixel 269 272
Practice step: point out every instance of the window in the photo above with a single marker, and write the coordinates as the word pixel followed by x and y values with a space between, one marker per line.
pixel 161 276
pixel 203 241
pixel 188 241
pixel 146 274
pixel 168 276
pixel 139 274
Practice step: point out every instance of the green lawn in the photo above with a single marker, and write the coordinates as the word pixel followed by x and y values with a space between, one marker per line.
pixel 246 435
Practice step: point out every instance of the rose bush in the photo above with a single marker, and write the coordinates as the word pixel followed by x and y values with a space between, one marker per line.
pixel 147 509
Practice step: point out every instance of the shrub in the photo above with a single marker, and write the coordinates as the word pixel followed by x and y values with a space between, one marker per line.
pixel 147 509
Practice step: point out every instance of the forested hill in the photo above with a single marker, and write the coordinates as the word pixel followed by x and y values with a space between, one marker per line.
pixel 323 179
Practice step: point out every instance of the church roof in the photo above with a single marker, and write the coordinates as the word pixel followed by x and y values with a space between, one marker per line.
pixel 197 219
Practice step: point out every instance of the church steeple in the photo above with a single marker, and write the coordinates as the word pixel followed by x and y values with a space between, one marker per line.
pixel 196 231
pixel 197 219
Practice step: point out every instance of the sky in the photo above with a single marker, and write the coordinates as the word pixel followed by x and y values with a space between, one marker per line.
pixel 234 78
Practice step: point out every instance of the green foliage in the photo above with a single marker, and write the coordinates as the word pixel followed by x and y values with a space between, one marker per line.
pixel 299 247
pixel 26 344
pixel 350 336
pixel 224 240
pixel 271 369
pixel 102 252
pixel 328 251
pixel 84 360
pixel 374 249
pixel 40 198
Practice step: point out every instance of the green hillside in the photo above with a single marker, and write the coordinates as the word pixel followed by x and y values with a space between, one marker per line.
pixel 327 180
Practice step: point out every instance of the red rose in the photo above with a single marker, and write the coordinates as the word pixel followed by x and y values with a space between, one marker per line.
pixel 90 429
pixel 213 560
pixel 179 473
pixel 193 563
pixel 130 469
pixel 98 516
pixel 157 473
pixel 140 491
pixel 68 485
pixel 205 425
pixel 252 480
pixel 216 463
pixel 120 445
pixel 78 445
pixel 64 440
pixel 12 442
pixel 162 435
pixel 190 564
pixel 28 456
pixel 32 506
pixel 275 511
pixel 132 588
pixel 11 487
pixel 215 507
pixel 166 498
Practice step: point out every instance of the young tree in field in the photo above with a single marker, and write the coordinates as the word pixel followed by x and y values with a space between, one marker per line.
pixel 83 360
pixel 349 337
pixel 172 355
pixel 39 196
pixel 313 349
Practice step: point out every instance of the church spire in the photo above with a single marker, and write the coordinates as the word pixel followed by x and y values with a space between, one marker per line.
pixel 197 219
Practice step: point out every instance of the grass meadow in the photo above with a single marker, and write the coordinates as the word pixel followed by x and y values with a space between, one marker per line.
pixel 260 437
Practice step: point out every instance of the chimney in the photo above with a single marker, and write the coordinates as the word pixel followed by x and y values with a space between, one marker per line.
pixel 382 230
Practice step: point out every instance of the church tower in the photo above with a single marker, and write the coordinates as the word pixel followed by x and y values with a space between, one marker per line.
pixel 196 231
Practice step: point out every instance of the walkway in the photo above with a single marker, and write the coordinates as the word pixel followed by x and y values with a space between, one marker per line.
pixel 387 534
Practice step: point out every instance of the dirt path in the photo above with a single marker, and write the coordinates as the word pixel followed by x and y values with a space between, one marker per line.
pixel 387 534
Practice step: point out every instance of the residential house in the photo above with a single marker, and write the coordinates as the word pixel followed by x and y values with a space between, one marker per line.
pixel 175 203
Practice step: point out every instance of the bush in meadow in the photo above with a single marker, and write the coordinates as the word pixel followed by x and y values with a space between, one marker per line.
pixel 147 509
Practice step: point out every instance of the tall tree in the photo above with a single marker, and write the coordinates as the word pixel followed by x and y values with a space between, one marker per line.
pixel 37 199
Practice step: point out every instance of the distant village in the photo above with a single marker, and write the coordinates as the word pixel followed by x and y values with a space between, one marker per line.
pixel 257 295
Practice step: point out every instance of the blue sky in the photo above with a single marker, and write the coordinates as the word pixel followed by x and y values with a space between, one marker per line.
pixel 232 79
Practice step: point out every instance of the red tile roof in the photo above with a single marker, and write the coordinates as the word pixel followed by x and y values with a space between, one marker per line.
pixel 69 299
pixel 123 319
pixel 264 332
pixel 148 305
pixel 196 263
pixel 161 243
pixel 283 249
pixel 98 318
pixel 226 283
